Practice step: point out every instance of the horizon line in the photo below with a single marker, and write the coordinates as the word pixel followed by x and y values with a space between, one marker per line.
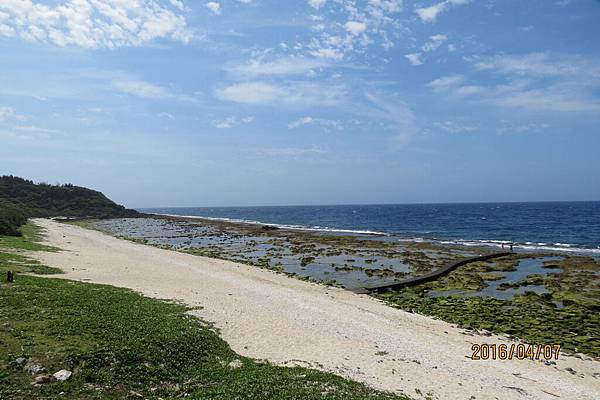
pixel 378 204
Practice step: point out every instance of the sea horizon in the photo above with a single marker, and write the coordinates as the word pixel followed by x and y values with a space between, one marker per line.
pixel 374 204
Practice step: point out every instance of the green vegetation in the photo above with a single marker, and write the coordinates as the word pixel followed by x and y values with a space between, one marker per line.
pixel 566 315
pixel 28 241
pixel 11 248
pixel 119 344
pixel 44 200
pixel 11 218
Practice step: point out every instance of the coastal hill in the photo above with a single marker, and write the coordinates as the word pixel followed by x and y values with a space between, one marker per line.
pixel 45 200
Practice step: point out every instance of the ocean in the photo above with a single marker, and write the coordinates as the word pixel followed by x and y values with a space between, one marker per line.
pixel 552 226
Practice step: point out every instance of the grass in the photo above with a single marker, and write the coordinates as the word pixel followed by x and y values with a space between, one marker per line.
pixel 29 241
pixel 121 345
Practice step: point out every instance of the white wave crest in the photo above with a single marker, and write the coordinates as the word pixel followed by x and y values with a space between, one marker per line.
pixel 281 226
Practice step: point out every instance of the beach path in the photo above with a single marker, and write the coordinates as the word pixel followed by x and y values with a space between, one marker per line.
pixel 266 315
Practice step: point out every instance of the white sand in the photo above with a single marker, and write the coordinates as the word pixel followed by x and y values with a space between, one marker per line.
pixel 266 315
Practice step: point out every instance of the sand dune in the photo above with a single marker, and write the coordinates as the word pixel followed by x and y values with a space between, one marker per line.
pixel 266 315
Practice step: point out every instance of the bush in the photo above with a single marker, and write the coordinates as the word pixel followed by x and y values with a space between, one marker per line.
pixel 11 218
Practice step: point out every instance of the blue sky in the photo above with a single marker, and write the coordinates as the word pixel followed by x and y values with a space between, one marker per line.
pixel 264 102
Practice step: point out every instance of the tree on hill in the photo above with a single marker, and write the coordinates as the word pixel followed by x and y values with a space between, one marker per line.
pixel 67 200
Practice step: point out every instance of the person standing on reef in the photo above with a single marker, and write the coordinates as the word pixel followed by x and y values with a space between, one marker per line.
pixel 511 247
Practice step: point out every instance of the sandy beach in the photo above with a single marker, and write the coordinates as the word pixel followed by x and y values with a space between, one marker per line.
pixel 266 315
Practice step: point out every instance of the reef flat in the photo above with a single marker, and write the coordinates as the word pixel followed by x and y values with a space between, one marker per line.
pixel 539 297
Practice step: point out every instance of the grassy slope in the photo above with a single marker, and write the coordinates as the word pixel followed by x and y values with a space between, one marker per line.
pixel 122 345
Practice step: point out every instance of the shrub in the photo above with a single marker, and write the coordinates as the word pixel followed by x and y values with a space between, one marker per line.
pixel 11 218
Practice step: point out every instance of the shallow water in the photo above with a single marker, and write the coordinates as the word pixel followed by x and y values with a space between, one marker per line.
pixel 348 267
pixel 525 267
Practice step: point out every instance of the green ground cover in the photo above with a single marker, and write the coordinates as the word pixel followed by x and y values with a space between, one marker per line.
pixel 119 344
pixel 567 315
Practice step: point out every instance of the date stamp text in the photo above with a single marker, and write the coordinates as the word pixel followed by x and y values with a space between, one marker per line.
pixel 518 351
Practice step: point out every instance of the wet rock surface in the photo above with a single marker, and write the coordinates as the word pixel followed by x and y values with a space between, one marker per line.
pixel 349 261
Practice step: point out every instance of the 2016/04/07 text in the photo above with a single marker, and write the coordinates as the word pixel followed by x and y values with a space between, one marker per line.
pixel 519 351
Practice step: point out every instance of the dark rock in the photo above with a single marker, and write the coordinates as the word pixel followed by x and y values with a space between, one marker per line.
pixel 43 379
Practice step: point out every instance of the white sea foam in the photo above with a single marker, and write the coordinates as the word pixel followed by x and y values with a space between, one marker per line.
pixel 282 226
pixel 558 247
pixel 540 246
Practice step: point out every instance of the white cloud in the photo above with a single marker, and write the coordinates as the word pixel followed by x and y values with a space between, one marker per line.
pixel 214 7
pixel 548 99
pixel 563 3
pixel 434 43
pixel 141 89
pixel 308 94
pixel 430 14
pixel 279 67
pixel 397 113
pixel 446 82
pixel 291 152
pixel 251 93
pixel 545 82
pixel 468 90
pixel 326 123
pixel 414 58
pixel 224 124
pixel 316 4
pixel 300 122
pixel 148 90
pixel 333 54
pixel 6 112
pixel 95 23
pixel 453 85
pixel 457 126
pixel 355 28
pixel 520 128
pixel 299 93
pixel 34 129
pixel 368 23
pixel 538 82
pixel 231 122
pixel 540 65
pixel 178 4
